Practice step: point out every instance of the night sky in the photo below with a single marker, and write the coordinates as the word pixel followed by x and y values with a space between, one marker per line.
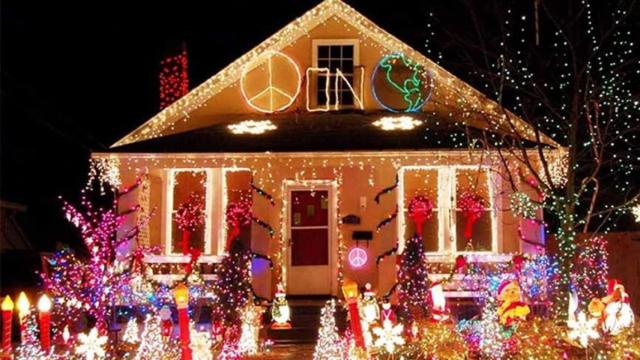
pixel 77 77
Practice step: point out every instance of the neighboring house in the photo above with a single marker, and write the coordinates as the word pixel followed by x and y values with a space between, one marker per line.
pixel 311 125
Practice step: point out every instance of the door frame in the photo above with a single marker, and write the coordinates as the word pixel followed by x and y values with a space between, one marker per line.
pixel 306 185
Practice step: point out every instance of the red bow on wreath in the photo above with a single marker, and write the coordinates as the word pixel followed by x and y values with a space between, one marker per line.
pixel 471 205
pixel 238 214
pixel 420 210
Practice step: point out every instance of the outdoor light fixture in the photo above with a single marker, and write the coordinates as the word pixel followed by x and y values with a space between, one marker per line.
pixel 253 127
pixel 389 123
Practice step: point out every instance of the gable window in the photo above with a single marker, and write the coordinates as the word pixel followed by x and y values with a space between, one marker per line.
pixel 338 56
pixel 444 232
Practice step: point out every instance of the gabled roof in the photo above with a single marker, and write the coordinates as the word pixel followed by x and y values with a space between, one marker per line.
pixel 479 111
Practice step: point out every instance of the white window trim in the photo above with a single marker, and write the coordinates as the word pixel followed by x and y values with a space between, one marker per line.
pixel 447 181
pixel 210 184
pixel 356 61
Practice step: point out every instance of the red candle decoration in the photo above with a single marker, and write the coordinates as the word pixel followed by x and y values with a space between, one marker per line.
pixel 350 291
pixel 181 295
pixel 23 311
pixel 44 308
pixel 7 320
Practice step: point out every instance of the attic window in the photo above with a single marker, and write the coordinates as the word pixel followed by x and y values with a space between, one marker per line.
pixel 335 55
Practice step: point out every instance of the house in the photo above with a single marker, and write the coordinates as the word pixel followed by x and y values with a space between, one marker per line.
pixel 330 127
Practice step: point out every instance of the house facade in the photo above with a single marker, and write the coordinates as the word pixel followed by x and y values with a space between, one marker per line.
pixel 329 129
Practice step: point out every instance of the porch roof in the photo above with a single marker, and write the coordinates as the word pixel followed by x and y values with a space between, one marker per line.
pixel 353 131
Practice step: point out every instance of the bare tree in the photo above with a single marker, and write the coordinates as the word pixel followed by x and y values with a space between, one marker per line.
pixel 568 69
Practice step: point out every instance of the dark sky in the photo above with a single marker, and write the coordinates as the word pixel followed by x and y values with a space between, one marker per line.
pixel 77 77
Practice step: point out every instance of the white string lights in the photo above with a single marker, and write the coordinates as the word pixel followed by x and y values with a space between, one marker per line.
pixel 391 123
pixel 253 127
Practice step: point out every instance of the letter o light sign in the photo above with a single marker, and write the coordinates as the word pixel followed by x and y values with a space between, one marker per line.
pixel 357 257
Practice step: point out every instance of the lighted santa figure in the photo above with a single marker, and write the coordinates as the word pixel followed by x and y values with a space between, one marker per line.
pixel 618 314
pixel 512 307
pixel 280 312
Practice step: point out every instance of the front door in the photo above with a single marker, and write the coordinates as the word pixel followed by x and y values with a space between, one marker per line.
pixel 310 252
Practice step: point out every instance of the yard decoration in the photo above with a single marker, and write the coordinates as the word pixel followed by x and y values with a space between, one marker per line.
pixel 181 295
pixel 389 336
pixel 238 214
pixel 7 323
pixel 512 308
pixel 413 282
pixel 387 311
pixel 350 291
pixel 280 312
pixel 329 345
pixel 618 314
pixel 44 315
pixel 472 206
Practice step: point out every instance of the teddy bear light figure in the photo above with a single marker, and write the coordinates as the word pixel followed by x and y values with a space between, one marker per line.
pixel 512 307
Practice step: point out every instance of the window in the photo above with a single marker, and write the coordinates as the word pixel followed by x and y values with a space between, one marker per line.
pixel 188 189
pixel 444 232
pixel 335 55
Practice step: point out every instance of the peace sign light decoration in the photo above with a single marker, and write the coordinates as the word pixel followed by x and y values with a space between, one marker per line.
pixel 357 257
pixel 265 92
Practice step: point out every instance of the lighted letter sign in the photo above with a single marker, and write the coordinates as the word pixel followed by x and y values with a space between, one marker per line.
pixel 401 85
pixel 357 257
pixel 271 83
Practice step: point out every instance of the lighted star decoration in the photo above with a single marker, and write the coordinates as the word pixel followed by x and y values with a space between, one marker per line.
pixel 388 123
pixel 636 212
pixel 253 127
pixel 92 345
pixel 200 345
pixel 388 336
pixel 583 329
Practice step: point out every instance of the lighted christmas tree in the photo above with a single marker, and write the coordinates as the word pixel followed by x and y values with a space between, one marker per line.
pixel 329 345
pixel 251 318
pixel 131 332
pixel 152 346
pixel 233 284
pixel 413 283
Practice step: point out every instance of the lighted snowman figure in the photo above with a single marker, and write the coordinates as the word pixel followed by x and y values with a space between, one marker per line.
pixel 618 314
pixel 280 312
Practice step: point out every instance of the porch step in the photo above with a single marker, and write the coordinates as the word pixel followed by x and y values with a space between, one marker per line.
pixel 305 322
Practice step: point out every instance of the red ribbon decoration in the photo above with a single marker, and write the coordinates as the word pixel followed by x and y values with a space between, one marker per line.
pixel 185 243
pixel 238 214
pixel 471 205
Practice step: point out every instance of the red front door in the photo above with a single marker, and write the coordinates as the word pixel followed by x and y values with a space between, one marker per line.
pixel 309 226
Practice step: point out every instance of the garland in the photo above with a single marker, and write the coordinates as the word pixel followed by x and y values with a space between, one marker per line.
pixel 264 225
pixel 386 221
pixel 386 191
pixel 263 194
pixel 385 254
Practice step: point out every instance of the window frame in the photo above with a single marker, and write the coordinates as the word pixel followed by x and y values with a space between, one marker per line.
pixel 315 43
pixel 447 227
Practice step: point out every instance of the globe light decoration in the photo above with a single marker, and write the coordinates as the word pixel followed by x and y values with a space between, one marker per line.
pixel 252 127
pixel 583 329
pixel 391 123
pixel 400 84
